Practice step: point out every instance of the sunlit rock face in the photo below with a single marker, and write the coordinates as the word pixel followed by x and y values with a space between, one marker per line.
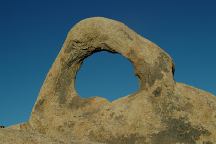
pixel 162 111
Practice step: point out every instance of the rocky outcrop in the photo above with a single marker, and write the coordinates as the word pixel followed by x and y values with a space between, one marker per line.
pixel 161 112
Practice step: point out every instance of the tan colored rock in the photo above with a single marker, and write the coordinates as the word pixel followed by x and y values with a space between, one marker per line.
pixel 161 112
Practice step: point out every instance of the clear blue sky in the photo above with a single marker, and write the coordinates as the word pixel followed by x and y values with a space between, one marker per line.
pixel 32 33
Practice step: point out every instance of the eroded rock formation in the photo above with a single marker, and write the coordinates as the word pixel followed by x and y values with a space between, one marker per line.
pixel 161 112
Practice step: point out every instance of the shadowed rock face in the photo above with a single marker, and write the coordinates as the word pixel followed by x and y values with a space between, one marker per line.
pixel 161 112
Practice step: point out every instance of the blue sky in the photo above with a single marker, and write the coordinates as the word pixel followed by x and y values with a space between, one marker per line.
pixel 32 33
pixel 108 75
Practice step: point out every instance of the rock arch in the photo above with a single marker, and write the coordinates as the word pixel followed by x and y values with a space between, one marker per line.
pixel 162 111
pixel 152 65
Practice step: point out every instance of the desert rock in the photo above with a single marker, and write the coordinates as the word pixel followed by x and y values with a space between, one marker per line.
pixel 163 111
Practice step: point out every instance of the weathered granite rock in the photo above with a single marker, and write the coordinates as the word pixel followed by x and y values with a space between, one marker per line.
pixel 161 112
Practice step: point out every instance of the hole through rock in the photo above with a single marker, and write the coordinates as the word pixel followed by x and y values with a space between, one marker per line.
pixel 108 75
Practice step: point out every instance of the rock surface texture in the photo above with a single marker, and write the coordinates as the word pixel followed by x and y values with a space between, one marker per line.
pixel 161 112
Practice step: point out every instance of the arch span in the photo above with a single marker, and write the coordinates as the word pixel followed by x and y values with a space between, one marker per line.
pixel 152 65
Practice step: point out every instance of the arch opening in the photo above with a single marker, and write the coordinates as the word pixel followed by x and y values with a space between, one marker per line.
pixel 106 74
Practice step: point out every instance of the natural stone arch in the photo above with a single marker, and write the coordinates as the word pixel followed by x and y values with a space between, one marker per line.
pixel 163 111
pixel 152 65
